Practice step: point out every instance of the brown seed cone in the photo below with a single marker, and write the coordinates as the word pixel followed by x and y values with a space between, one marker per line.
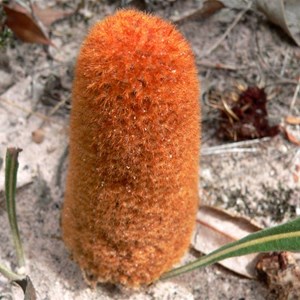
pixel 132 185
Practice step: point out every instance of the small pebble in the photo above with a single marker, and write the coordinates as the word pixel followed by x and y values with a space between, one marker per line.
pixel 38 136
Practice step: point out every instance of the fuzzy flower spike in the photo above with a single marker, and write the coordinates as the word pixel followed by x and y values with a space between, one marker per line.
pixel 132 185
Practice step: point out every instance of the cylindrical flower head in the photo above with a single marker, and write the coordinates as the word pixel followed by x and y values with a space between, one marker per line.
pixel 132 185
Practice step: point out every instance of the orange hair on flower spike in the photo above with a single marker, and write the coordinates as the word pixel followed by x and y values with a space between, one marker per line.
pixel 132 185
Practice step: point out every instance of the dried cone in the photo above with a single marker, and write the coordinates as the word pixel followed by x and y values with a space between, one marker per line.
pixel 132 185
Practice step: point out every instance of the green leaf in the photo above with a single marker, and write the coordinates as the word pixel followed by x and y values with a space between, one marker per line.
pixel 11 170
pixel 9 274
pixel 285 237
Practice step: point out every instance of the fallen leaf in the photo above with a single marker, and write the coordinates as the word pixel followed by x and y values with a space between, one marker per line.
pixel 48 15
pixel 292 120
pixel 215 228
pixel 28 288
pixel 290 137
pixel 296 175
pixel 24 26
pixel 208 8
pixel 285 14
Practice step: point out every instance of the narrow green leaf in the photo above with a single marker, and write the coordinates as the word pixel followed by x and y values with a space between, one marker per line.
pixel 9 274
pixel 285 237
pixel 10 193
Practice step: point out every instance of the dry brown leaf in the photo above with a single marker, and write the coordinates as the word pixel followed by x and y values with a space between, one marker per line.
pixel 290 137
pixel 284 13
pixel 292 120
pixel 209 7
pixel 28 288
pixel 24 26
pixel 296 177
pixel 48 15
pixel 216 228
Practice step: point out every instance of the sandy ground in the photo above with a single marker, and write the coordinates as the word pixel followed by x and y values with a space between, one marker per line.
pixel 261 185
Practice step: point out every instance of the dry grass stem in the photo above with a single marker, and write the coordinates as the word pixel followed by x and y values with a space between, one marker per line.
pixel 37 114
pixel 295 94
pixel 228 30
pixel 209 151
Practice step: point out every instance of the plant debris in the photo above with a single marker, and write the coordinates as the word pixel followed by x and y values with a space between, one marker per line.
pixel 281 273
pixel 244 116
pixel 28 288
pixel 292 120
pixel 290 137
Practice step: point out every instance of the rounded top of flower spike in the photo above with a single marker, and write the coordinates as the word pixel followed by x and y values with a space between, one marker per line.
pixel 143 49
pixel 134 32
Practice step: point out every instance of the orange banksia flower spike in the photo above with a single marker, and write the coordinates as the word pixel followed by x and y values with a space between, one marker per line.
pixel 132 185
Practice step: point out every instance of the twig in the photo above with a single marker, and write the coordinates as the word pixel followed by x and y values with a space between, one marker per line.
pixel 267 66
pixel 32 10
pixel 39 115
pixel 22 3
pixel 240 144
pixel 283 81
pixel 219 66
pixel 57 107
pixel 208 151
pixel 285 60
pixel 234 147
pixel 60 166
pixel 295 94
pixel 226 33
pixel 54 110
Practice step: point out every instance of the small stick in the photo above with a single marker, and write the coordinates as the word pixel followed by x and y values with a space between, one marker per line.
pixel 208 151
pixel 39 115
pixel 285 60
pixel 295 94
pixel 283 81
pixel 60 166
pixel 32 10
pixel 54 110
pixel 267 66
pixel 239 144
pixel 226 33
pixel 219 66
